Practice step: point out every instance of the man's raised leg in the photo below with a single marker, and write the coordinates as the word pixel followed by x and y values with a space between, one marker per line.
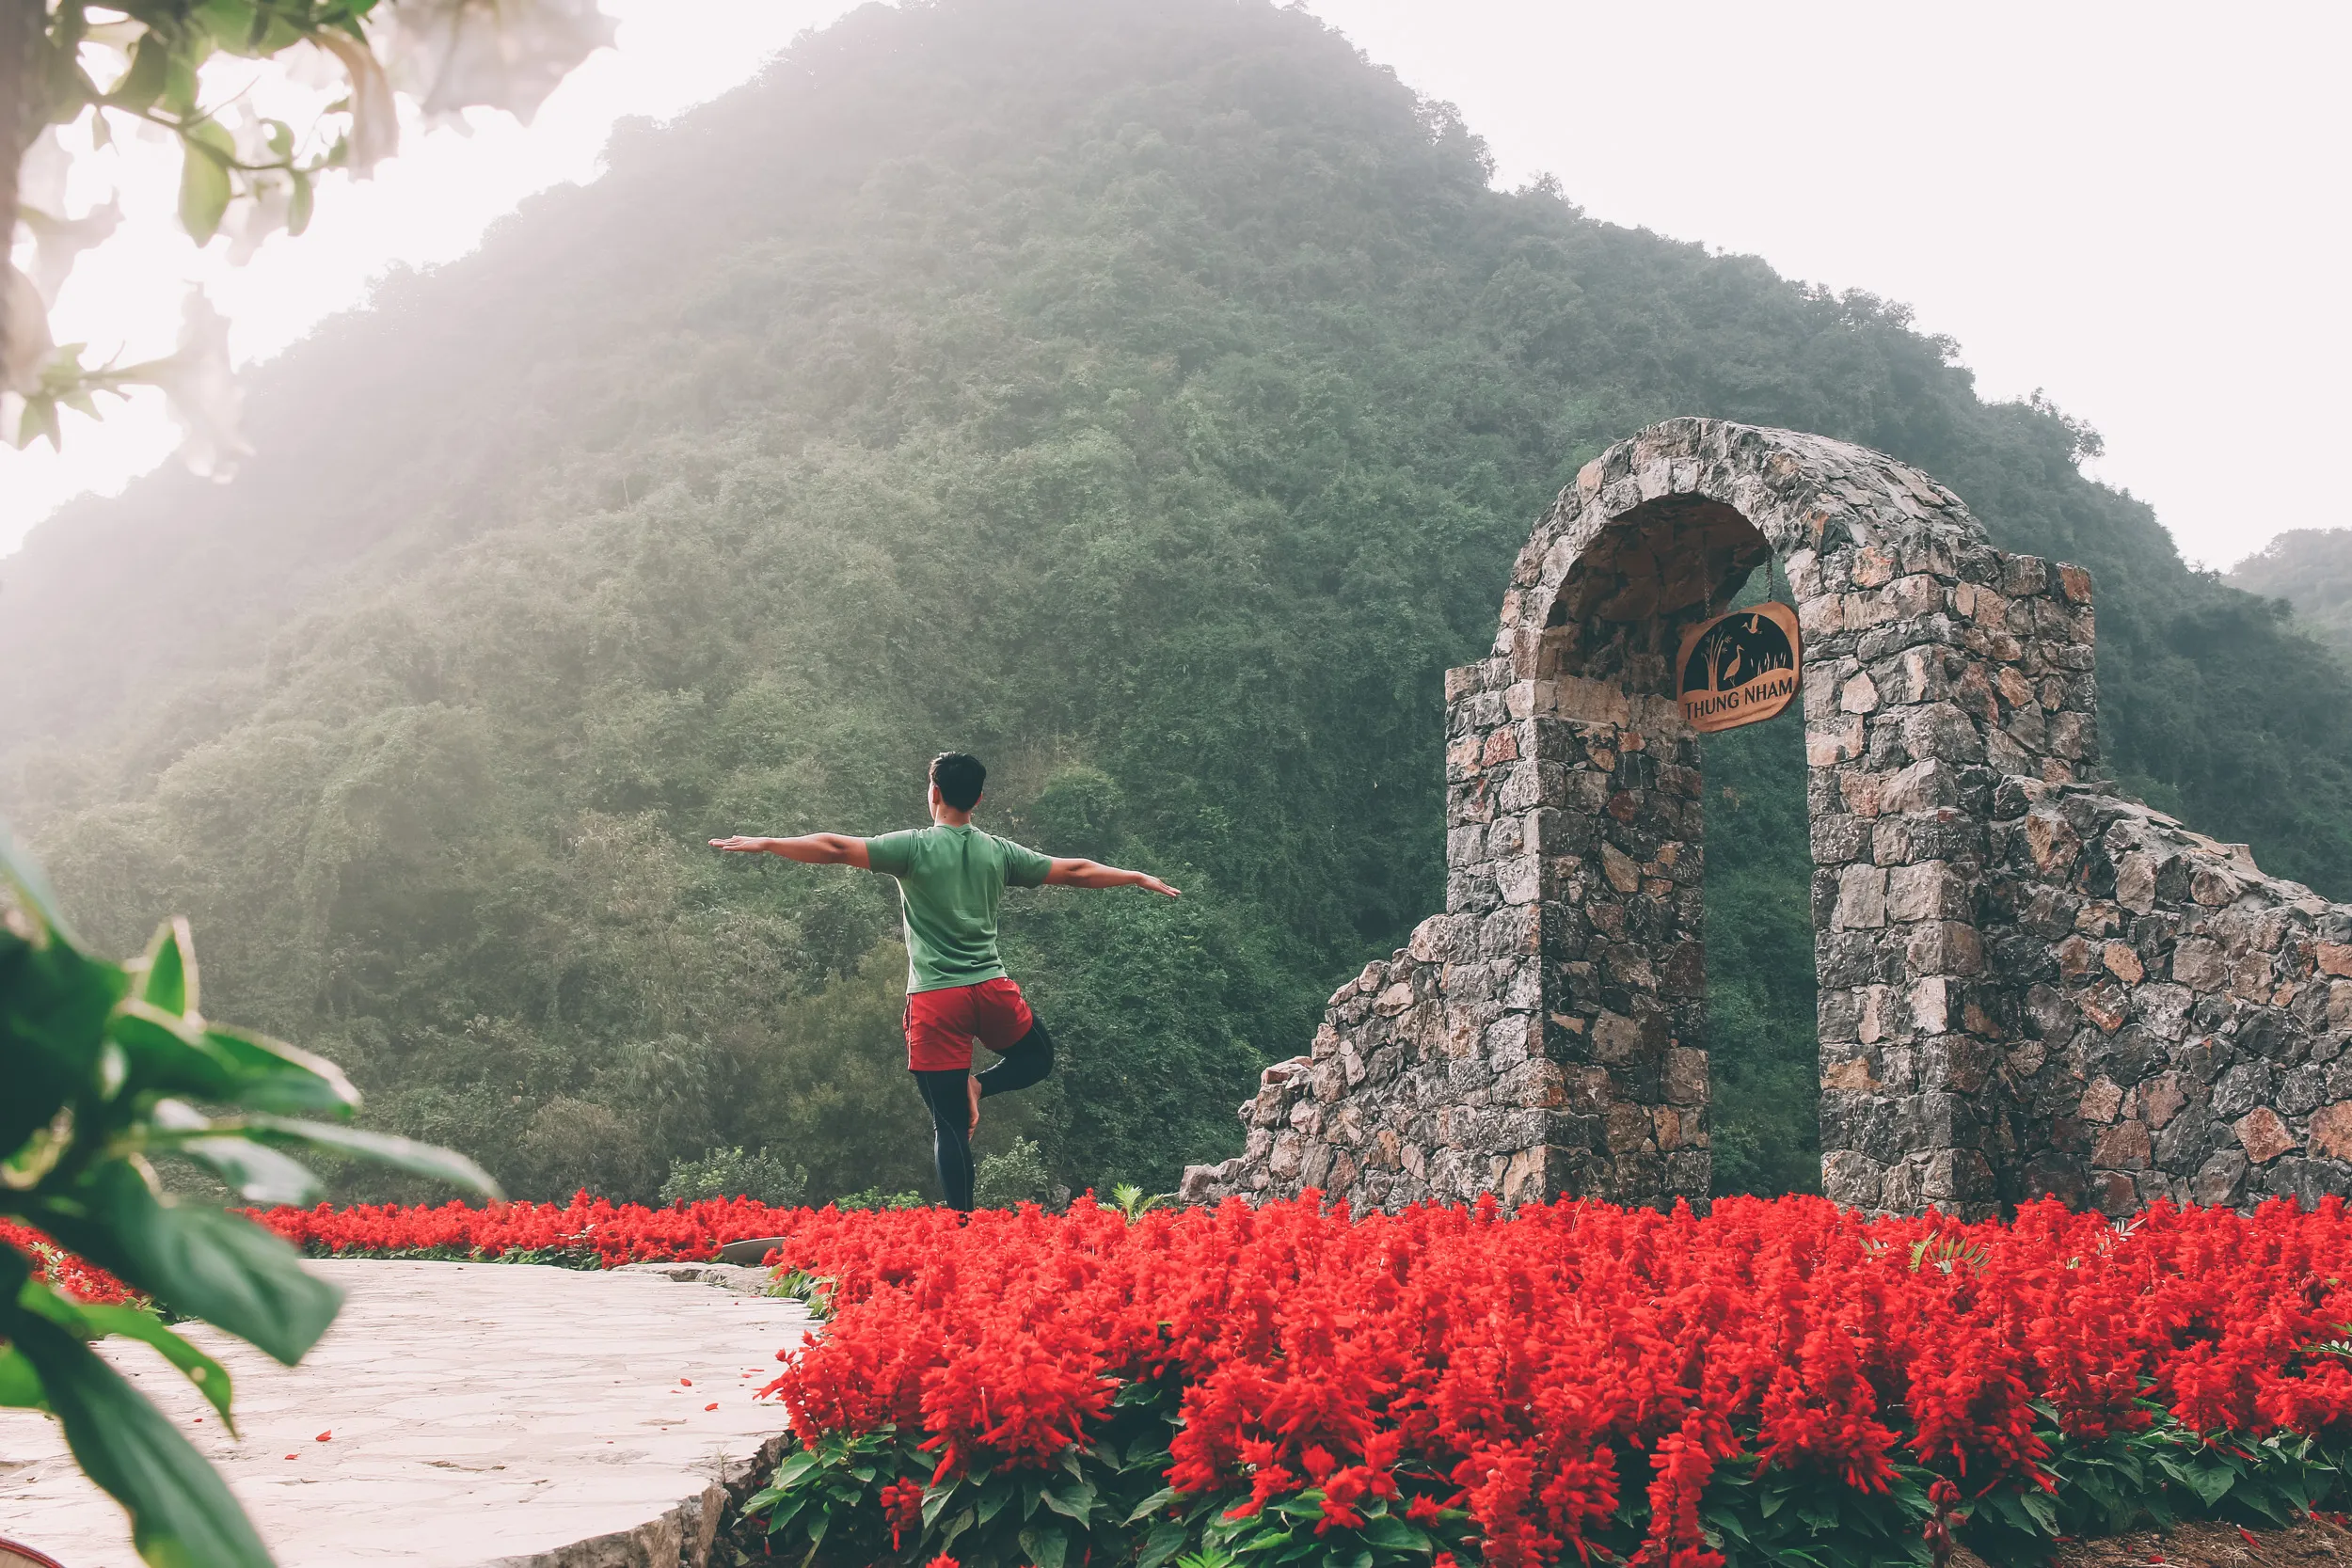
pixel 1024 1062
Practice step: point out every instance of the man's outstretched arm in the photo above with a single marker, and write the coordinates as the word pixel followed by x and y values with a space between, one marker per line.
pixel 1095 874
pixel 809 849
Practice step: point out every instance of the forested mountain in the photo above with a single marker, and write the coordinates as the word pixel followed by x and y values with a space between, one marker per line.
pixel 1148 395
pixel 2310 568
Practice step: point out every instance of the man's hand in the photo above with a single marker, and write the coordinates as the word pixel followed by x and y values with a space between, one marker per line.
pixel 1155 885
pixel 743 844
pixel 975 1081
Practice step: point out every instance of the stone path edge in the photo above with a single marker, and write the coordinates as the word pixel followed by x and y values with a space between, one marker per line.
pixel 685 1535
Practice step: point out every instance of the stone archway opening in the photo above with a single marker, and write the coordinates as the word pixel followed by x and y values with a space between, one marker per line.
pixel 1619 615
pixel 1628 1016
pixel 1547 1033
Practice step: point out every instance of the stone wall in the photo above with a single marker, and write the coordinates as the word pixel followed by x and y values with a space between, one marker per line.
pixel 2183 1017
pixel 2003 1010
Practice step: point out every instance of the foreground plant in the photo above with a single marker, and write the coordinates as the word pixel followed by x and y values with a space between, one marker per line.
pixel 108 1066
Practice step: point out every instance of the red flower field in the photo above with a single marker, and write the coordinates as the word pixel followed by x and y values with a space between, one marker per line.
pixel 587 1232
pixel 1776 1381
pixel 1574 1382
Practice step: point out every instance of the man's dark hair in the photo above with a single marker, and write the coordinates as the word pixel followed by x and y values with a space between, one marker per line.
pixel 958 776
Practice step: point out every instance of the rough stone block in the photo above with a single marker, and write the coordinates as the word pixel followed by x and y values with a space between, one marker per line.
pixel 1945 947
pixel 1929 890
pixel 1861 898
pixel 2262 1135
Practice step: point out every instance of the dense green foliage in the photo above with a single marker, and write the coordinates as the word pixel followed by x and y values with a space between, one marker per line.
pixel 2310 568
pixel 1148 397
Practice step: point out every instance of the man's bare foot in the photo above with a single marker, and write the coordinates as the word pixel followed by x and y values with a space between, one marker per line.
pixel 975 1081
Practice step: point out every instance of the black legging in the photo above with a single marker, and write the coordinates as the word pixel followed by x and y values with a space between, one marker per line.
pixel 1028 1059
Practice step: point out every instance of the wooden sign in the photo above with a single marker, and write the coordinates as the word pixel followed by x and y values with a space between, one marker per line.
pixel 1738 669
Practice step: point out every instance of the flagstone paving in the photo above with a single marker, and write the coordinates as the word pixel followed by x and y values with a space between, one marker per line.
pixel 460 1414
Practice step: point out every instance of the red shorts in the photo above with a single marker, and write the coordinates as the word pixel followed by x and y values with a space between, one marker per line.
pixel 941 1024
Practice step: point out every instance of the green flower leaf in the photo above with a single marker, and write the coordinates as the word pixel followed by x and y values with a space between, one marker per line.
pixel 1046 1545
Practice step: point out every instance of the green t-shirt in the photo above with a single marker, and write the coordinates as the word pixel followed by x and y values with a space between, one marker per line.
pixel 951 881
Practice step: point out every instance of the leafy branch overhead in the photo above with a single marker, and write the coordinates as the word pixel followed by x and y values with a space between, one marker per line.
pixel 110 1065
pixel 169 68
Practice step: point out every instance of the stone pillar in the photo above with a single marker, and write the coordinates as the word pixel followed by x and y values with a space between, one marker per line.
pixel 1572 844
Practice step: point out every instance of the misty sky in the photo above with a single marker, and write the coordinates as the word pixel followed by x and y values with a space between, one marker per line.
pixel 2138 209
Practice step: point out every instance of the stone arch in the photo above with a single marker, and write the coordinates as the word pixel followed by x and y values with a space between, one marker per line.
pixel 1886 568
pixel 1546 1034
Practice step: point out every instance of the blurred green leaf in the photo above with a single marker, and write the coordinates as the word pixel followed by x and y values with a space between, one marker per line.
pixel 169 1057
pixel 298 204
pixel 275 1076
pixel 210 1377
pixel 198 1261
pixel 95 1321
pixel 20 1385
pixel 165 977
pixel 405 1153
pixel 53 1008
pixel 255 1173
pixel 181 1513
pixel 31 888
pixel 143 83
pixel 204 184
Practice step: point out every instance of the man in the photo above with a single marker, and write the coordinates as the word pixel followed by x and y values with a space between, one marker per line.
pixel 951 876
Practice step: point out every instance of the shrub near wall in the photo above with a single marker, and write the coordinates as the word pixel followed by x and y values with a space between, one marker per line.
pixel 1777 1382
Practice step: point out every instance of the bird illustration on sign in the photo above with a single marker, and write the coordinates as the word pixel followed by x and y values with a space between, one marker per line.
pixel 1738 667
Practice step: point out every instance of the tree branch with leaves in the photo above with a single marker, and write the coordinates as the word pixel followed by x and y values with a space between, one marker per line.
pixel 155 67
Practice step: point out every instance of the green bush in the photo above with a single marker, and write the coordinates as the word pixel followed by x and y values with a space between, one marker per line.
pixel 763 1178
pixel 874 1197
pixel 1017 1176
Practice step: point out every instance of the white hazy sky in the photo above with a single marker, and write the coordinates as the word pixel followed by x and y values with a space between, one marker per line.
pixel 2139 209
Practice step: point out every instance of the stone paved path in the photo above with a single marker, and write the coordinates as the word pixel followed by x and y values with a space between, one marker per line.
pixel 479 1411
